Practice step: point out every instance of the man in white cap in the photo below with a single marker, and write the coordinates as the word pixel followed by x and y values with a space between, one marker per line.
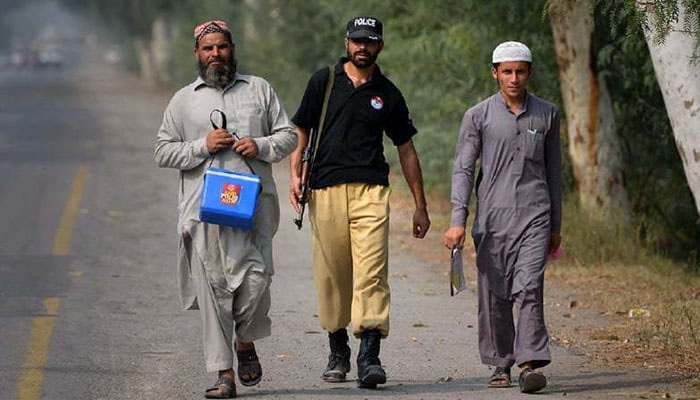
pixel 518 215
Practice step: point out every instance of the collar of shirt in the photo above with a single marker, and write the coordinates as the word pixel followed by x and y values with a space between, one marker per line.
pixel 199 82
pixel 339 70
pixel 501 100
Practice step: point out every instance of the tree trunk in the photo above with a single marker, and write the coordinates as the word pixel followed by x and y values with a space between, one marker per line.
pixel 153 54
pixel 679 79
pixel 593 143
pixel 250 30
pixel 160 50
pixel 143 57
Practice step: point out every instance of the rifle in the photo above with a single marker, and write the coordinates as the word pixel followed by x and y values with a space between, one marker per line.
pixel 309 155
pixel 306 159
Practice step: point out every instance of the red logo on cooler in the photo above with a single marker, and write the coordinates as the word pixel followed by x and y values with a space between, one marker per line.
pixel 230 194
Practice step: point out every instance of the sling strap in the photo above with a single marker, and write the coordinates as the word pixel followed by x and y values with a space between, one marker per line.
pixel 324 110
pixel 233 133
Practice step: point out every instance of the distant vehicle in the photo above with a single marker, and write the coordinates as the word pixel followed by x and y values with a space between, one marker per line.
pixel 50 58
pixel 24 59
pixel 17 59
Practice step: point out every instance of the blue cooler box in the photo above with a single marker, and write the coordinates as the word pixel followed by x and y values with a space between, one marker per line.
pixel 229 198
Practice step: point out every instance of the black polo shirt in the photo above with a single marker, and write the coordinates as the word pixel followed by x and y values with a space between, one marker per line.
pixel 351 147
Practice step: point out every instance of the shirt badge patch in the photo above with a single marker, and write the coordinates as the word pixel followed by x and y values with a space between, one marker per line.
pixel 376 102
pixel 230 194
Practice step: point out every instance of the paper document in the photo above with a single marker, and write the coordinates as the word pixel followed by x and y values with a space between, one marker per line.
pixel 457 281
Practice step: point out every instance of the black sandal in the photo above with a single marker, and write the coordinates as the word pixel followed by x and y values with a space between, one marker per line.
pixel 500 378
pixel 531 381
pixel 224 388
pixel 249 365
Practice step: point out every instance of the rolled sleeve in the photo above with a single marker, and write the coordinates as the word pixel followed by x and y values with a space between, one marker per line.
pixel 200 146
pixel 263 148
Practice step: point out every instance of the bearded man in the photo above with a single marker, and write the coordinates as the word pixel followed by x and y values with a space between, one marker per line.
pixel 349 202
pixel 225 272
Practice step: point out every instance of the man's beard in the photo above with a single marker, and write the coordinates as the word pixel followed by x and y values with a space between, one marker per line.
pixel 218 75
pixel 364 63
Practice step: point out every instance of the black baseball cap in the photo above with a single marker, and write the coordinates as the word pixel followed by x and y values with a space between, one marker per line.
pixel 364 28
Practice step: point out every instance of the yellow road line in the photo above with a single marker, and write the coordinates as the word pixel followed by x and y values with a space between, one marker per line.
pixel 31 376
pixel 64 233
pixel 32 373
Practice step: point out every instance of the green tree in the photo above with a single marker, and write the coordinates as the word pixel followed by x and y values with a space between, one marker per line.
pixel 438 55
pixel 659 195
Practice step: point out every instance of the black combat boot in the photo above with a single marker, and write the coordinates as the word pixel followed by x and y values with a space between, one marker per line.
pixel 369 369
pixel 339 359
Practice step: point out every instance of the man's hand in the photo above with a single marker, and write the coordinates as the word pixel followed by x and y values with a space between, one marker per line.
pixel 454 237
pixel 218 140
pixel 295 167
pixel 421 223
pixel 295 192
pixel 554 241
pixel 246 147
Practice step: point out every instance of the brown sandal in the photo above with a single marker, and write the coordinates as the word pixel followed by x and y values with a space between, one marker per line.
pixel 224 388
pixel 500 378
pixel 249 368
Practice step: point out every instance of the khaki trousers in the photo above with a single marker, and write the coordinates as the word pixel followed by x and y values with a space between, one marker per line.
pixel 350 235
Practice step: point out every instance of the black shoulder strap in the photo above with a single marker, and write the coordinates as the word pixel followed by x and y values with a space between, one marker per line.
pixel 324 110
pixel 233 133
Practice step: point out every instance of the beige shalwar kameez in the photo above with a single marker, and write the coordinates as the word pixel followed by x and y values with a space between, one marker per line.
pixel 222 271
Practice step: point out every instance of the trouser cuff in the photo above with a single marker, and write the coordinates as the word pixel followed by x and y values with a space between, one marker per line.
pixel 498 362
pixel 217 366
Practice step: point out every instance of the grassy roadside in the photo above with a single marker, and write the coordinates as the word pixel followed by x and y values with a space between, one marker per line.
pixel 650 303
pixel 632 307
pixel 651 316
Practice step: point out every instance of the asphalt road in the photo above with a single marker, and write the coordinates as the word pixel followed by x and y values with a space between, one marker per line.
pixel 88 300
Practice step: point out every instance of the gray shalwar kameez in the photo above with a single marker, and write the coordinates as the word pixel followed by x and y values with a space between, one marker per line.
pixel 518 193
pixel 222 271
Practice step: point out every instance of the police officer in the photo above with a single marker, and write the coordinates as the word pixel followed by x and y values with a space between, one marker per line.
pixel 349 202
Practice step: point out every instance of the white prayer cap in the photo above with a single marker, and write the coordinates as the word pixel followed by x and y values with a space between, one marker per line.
pixel 511 51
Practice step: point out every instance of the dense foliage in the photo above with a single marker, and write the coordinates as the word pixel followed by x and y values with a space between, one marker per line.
pixel 438 53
